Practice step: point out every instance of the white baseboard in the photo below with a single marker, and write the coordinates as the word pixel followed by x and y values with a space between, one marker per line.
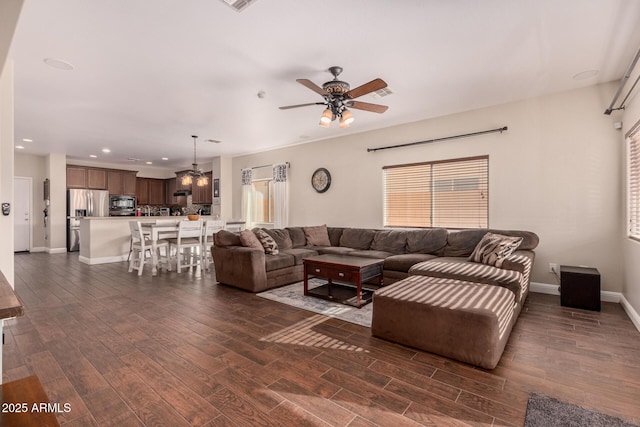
pixel 607 296
pixel 103 260
pixel 38 249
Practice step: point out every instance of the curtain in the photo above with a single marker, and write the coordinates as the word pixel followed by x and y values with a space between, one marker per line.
pixel 247 189
pixel 280 196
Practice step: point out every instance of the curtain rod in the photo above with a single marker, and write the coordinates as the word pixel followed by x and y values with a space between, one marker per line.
pixel 446 138
pixel 266 166
pixel 622 83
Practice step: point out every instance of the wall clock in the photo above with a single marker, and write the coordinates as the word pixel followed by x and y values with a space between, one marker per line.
pixel 321 180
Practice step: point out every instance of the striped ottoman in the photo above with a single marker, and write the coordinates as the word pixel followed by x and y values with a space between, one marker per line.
pixel 466 321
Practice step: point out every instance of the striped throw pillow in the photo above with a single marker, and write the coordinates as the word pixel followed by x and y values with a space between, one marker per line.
pixel 269 244
pixel 494 248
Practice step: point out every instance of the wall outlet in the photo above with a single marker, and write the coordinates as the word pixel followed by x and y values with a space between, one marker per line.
pixel 553 268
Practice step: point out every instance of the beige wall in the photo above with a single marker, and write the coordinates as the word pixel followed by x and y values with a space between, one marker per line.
pixel 630 248
pixel 34 167
pixel 6 169
pixel 555 172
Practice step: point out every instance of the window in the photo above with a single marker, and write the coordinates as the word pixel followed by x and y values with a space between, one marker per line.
pixel 449 193
pixel 263 201
pixel 633 182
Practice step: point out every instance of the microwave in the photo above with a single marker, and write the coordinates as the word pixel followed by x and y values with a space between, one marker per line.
pixel 122 205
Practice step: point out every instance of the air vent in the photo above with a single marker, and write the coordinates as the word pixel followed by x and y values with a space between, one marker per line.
pixel 380 93
pixel 238 5
pixel 215 141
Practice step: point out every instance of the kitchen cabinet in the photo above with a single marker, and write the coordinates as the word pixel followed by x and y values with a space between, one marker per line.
pixel 121 183
pixel 170 188
pixel 156 192
pixel 202 195
pixel 96 179
pixel 142 191
pixel 179 185
pixel 76 177
pixel 150 191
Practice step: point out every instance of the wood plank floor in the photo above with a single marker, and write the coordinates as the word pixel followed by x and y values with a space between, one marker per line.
pixel 179 350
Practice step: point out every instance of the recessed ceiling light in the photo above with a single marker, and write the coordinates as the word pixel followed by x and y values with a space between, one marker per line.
pixel 106 150
pixel 149 163
pixel 92 156
pixel 19 147
pixel 586 75
pixel 27 140
pixel 59 64
pixel 165 158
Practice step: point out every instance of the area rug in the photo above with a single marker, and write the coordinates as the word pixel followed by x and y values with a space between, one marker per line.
pixel 543 411
pixel 293 295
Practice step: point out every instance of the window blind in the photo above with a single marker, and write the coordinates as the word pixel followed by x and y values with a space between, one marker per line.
pixel 633 182
pixel 448 193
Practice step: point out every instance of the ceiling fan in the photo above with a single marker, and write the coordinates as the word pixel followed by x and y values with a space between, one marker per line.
pixel 338 95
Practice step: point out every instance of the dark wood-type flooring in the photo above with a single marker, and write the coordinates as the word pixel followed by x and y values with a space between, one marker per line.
pixel 179 350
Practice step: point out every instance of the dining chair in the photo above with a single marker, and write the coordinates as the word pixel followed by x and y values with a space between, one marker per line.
pixel 189 238
pixel 210 228
pixel 145 233
pixel 140 246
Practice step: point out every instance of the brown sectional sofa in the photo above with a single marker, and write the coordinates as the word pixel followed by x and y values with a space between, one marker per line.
pixel 414 311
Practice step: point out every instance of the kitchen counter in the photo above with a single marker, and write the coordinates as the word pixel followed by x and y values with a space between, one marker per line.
pixel 106 239
pixel 10 306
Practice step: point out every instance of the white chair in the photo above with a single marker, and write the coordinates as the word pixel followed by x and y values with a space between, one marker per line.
pixel 209 229
pixel 145 233
pixel 140 246
pixel 189 237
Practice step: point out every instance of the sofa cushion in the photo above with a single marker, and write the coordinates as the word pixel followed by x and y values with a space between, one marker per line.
pixel 371 254
pixel 357 238
pixel 335 233
pixel 248 239
pixel 462 269
pixel 297 236
pixel 494 248
pixel 270 245
pixel 463 242
pixel 335 250
pixel 282 237
pixel 226 238
pixel 317 236
pixel 394 241
pixel 429 241
pixel 404 262
pixel 300 253
pixel 275 262
pixel 530 240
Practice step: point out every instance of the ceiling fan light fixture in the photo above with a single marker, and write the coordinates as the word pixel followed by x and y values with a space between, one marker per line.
pixel 347 117
pixel 327 117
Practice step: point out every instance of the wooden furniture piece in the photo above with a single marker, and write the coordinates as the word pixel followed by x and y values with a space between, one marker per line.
pixel 580 287
pixel 25 404
pixel 349 271
pixel 76 177
pixel 121 183
pixel 96 179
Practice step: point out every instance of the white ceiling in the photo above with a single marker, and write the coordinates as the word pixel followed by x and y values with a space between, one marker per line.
pixel 149 74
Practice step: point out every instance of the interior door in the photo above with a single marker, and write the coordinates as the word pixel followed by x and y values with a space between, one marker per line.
pixel 21 214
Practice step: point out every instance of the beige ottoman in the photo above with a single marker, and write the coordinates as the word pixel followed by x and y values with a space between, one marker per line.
pixel 466 321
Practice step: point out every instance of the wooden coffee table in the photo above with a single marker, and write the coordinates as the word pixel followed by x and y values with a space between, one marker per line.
pixel 348 271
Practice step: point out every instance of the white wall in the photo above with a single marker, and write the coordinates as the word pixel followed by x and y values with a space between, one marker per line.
pixel 630 248
pixel 6 169
pixel 554 172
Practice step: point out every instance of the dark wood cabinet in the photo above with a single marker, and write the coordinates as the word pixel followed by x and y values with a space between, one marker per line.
pixel 156 192
pixel 121 183
pixel 129 183
pixel 170 188
pixel 142 191
pixel 203 195
pixel 76 177
pixel 179 185
pixel 96 179
pixel 114 183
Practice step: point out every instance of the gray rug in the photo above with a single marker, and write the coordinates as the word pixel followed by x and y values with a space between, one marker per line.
pixel 543 411
pixel 293 295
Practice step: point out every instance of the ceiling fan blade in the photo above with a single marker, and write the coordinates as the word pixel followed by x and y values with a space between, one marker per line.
pixel 287 107
pixel 311 85
pixel 375 108
pixel 366 88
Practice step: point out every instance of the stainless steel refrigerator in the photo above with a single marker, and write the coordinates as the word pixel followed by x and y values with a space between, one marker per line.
pixel 82 203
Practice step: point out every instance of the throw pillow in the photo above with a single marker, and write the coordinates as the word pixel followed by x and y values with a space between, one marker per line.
pixel 270 246
pixel 317 236
pixel 249 240
pixel 494 248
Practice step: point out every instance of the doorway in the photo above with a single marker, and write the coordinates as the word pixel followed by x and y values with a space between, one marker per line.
pixel 22 214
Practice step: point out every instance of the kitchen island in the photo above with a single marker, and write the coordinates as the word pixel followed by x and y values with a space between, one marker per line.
pixel 106 239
